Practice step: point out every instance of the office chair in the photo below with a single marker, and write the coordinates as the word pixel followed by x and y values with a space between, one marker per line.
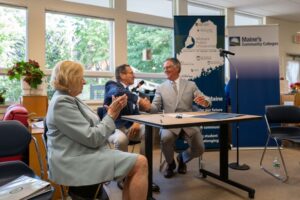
pixel 14 140
pixel 75 192
pixel 281 122
pixel 180 146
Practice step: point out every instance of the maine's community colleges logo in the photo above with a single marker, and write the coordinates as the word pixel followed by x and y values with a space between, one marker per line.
pixel 249 41
pixel 234 41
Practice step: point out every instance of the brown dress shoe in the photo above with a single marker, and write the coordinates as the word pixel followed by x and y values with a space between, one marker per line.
pixel 169 171
pixel 181 165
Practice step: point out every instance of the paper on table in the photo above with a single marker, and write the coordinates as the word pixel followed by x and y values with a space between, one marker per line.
pixel 39 124
pixel 178 114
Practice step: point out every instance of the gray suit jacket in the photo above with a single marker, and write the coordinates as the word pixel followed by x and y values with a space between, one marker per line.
pixel 77 143
pixel 165 99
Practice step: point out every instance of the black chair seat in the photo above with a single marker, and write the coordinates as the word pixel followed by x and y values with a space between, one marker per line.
pixel 285 132
pixel 133 142
pixel 294 140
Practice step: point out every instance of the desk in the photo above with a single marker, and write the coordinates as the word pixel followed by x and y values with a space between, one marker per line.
pixel 166 121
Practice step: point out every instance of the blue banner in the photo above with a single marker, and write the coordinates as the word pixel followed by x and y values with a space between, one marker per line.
pixel 197 43
pixel 256 61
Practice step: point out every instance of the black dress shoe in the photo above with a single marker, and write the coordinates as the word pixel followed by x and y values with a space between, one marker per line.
pixel 155 188
pixel 120 184
pixel 169 171
pixel 181 165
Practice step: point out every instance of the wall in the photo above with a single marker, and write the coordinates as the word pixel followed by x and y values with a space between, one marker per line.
pixel 287 30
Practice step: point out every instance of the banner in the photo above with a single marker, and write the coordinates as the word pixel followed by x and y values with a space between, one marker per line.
pixel 256 61
pixel 197 43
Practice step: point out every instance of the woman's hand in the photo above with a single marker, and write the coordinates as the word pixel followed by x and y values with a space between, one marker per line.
pixel 118 103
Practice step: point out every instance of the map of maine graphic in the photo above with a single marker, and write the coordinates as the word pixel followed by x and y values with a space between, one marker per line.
pixel 200 54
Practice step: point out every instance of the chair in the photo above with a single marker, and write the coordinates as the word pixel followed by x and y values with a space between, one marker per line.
pixel 19 113
pixel 180 146
pixel 281 122
pixel 75 192
pixel 101 113
pixel 14 140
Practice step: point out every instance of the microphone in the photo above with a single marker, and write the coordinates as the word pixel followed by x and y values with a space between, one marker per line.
pixel 224 52
pixel 138 86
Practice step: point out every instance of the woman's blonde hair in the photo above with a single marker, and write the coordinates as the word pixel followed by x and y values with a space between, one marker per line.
pixel 67 76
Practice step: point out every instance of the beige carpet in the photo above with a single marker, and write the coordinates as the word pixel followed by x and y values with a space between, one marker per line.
pixel 191 187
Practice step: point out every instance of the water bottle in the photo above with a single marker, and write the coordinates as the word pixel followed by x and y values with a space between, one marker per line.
pixel 276 167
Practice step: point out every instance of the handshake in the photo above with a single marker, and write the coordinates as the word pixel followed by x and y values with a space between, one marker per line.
pixel 144 104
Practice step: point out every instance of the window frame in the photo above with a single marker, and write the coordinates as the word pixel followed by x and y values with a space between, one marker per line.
pixel 204 6
pixel 244 14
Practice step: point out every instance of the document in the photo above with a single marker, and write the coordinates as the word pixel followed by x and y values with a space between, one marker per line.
pixel 219 115
pixel 39 124
pixel 24 188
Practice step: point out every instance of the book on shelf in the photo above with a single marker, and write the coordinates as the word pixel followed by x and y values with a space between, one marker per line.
pixel 23 188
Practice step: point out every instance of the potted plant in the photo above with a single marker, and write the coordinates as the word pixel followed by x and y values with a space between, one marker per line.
pixel 30 73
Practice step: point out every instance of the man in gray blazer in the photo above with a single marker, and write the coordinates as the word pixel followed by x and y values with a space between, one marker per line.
pixel 178 95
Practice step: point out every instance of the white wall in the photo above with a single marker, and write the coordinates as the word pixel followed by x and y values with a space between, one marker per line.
pixel 287 30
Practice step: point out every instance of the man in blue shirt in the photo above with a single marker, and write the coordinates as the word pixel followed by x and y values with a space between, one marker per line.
pixel 125 130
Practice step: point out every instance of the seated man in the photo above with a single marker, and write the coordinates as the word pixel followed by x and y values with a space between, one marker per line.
pixel 177 95
pixel 126 131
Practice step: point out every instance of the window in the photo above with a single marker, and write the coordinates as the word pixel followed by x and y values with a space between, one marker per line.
pixel 83 39
pixel 246 19
pixel 12 46
pixel 293 71
pixel 12 35
pixel 197 9
pixel 102 3
pixel 87 40
pixel 158 40
pixel 162 8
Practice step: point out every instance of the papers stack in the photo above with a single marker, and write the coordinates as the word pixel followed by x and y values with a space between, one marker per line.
pixel 23 188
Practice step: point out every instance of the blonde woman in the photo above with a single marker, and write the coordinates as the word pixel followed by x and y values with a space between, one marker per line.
pixel 78 154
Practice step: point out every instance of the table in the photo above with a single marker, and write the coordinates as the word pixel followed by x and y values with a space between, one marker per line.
pixel 169 120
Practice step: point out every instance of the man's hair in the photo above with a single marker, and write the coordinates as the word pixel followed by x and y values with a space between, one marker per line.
pixel 175 62
pixel 120 70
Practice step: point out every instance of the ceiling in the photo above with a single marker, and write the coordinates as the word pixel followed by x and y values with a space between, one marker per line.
pixel 280 9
